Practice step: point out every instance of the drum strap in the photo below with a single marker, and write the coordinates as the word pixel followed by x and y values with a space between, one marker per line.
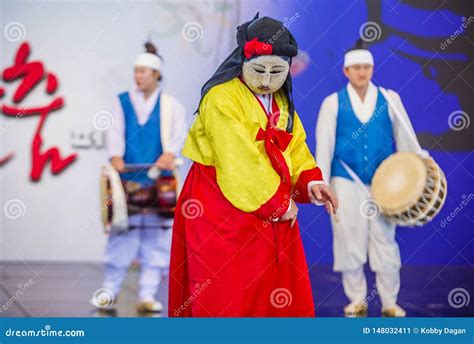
pixel 364 188
pixel 402 121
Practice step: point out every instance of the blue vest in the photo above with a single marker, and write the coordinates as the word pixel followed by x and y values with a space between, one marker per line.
pixel 361 146
pixel 142 142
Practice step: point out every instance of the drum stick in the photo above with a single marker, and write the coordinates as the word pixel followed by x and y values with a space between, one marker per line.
pixel 137 167
pixel 154 172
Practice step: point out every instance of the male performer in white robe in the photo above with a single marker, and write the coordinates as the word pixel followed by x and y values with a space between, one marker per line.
pixel 148 127
pixel 356 126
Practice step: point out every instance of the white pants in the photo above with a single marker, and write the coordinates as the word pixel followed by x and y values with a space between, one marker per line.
pixel 357 233
pixel 151 246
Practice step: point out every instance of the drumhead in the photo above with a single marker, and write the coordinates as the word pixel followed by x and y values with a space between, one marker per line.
pixel 399 182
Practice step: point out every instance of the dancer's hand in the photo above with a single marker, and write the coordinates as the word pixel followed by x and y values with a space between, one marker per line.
pixel 324 194
pixel 291 214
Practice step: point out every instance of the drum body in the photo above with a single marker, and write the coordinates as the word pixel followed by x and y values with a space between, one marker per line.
pixel 166 195
pixel 409 189
pixel 158 198
pixel 106 208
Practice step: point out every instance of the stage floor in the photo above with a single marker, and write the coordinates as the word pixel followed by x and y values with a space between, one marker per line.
pixel 36 289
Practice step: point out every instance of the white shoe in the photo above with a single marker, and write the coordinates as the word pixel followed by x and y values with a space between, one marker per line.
pixel 149 306
pixel 394 312
pixel 355 310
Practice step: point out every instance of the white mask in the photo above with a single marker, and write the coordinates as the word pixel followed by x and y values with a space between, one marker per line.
pixel 265 74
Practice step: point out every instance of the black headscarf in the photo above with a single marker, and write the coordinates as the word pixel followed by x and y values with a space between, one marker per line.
pixel 266 30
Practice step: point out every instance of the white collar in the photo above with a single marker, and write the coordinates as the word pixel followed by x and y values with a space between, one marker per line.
pixel 266 100
pixel 371 91
pixel 363 109
pixel 139 93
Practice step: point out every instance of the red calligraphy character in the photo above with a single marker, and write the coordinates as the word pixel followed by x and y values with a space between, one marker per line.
pixel 31 74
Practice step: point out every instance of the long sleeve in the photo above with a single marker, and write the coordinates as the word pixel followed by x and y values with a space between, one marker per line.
pixel 303 166
pixel 179 129
pixel 326 135
pixel 405 137
pixel 115 135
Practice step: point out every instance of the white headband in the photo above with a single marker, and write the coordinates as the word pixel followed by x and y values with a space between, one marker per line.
pixel 359 56
pixel 148 60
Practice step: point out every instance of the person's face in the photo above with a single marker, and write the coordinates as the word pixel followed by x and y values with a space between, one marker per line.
pixel 265 74
pixel 359 75
pixel 145 78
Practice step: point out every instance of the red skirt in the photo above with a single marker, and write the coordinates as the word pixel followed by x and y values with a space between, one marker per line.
pixel 229 263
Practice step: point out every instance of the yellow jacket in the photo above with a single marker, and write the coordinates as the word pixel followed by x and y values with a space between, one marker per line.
pixel 224 136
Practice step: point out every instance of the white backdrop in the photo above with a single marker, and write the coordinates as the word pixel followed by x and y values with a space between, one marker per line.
pixel 91 47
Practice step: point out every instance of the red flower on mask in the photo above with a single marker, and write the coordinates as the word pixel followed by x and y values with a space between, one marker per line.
pixel 255 47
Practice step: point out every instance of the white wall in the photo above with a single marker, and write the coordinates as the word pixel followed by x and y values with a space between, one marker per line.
pixel 91 47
